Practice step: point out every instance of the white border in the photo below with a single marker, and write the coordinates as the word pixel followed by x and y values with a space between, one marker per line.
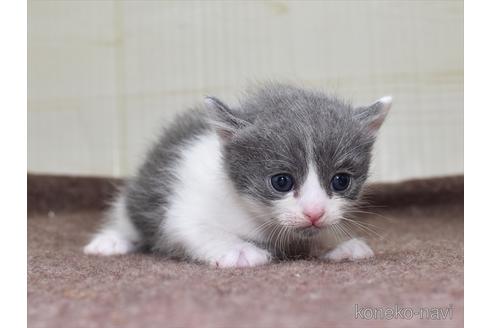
pixel 478 227
pixel 13 100
pixel 478 148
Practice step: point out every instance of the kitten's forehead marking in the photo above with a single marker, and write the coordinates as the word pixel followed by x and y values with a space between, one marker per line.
pixel 311 191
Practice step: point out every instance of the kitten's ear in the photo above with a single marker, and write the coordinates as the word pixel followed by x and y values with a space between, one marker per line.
pixel 373 116
pixel 223 119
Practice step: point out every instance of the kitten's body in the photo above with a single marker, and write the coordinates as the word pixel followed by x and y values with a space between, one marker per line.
pixel 204 191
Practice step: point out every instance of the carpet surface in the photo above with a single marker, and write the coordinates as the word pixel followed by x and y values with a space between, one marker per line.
pixel 418 267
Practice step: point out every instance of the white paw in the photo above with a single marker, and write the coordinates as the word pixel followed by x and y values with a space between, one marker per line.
pixel 109 244
pixel 244 255
pixel 352 250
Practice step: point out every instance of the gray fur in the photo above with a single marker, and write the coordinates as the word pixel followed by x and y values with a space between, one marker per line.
pixel 277 128
pixel 148 193
pixel 291 126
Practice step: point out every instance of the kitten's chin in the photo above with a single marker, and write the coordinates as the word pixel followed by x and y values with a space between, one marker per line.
pixel 309 232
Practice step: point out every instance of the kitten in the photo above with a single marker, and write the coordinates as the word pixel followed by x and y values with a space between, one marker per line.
pixel 240 186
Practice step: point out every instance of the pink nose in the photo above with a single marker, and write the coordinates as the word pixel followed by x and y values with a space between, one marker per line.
pixel 314 214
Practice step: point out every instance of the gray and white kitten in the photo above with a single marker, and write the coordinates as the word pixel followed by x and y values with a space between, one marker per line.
pixel 240 186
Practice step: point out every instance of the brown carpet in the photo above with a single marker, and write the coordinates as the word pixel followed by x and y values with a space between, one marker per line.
pixel 418 264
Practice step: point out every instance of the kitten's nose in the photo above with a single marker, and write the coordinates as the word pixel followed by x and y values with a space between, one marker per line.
pixel 314 214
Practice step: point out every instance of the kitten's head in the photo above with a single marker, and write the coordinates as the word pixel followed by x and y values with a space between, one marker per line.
pixel 297 157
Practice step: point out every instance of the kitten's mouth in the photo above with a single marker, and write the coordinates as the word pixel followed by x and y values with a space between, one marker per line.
pixel 312 230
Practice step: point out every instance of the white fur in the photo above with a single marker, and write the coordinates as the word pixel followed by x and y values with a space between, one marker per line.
pixel 387 101
pixel 353 249
pixel 118 236
pixel 206 216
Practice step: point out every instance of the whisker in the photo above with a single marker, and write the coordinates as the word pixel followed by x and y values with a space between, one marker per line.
pixel 370 213
pixel 340 225
pixel 362 227
pixel 334 233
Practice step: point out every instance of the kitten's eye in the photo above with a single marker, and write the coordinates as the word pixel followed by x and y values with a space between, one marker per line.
pixel 340 182
pixel 282 182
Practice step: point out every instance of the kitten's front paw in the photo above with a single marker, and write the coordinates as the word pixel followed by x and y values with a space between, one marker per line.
pixel 352 250
pixel 109 244
pixel 244 255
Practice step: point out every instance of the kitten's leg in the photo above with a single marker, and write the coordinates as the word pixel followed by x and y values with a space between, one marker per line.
pixel 118 235
pixel 352 250
pixel 217 247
